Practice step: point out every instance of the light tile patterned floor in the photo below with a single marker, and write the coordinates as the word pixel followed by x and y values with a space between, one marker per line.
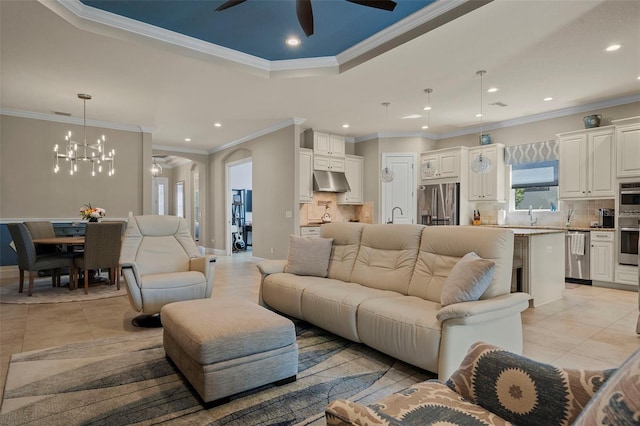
pixel 589 328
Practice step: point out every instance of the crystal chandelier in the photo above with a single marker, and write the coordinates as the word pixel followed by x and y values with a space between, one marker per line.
pixel 96 153
pixel 156 169
pixel 481 164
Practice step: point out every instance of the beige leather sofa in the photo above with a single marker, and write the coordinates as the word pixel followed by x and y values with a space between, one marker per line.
pixel 384 285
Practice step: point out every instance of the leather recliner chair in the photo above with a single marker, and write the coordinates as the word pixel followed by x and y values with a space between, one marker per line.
pixel 161 264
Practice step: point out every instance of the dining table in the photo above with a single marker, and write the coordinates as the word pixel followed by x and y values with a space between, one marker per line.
pixel 64 243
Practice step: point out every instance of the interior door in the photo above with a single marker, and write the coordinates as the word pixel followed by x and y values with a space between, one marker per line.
pixel 400 191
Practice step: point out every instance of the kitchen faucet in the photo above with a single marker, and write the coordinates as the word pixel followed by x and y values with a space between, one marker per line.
pixel 532 221
pixel 392 214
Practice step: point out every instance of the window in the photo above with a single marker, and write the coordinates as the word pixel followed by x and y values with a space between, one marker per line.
pixel 535 185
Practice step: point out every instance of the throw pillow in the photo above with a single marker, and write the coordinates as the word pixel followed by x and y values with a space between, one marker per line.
pixel 468 279
pixel 309 256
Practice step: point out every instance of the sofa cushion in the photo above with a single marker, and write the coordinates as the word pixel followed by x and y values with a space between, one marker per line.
pixel 308 256
pixel 387 256
pixel 618 401
pixel 467 280
pixel 404 327
pixel 346 243
pixel 524 391
pixel 442 246
pixel 334 306
pixel 283 292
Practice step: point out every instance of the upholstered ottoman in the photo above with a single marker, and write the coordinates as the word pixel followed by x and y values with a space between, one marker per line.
pixel 225 346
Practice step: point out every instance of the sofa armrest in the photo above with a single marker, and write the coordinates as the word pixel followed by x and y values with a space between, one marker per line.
pixel 521 390
pixel 342 412
pixel 267 267
pixel 485 309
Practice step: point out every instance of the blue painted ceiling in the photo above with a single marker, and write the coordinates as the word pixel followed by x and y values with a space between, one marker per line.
pixel 260 27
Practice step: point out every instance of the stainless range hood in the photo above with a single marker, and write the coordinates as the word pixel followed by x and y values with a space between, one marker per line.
pixel 325 181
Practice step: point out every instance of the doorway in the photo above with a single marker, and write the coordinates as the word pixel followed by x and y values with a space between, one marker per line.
pixel 239 207
pixel 160 196
pixel 398 193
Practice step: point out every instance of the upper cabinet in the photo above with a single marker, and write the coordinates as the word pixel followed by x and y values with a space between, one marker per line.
pixel 324 143
pixel 487 186
pixel 325 162
pixel 306 175
pixel 441 164
pixel 586 163
pixel 628 147
pixel 354 173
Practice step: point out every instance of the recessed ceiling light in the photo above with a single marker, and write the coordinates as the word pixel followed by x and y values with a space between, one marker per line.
pixel 292 41
pixel 478 115
pixel 613 48
pixel 217 124
pixel 345 126
pixel 187 139
pixel 411 116
pixel 425 127
pixel 548 98
pixel 492 90
pixel 427 108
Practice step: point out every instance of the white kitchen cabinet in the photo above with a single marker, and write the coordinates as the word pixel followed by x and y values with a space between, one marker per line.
pixel 602 249
pixel 354 173
pixel 305 175
pixel 487 186
pixel 628 148
pixel 440 164
pixel 586 164
pixel 325 143
pixel 324 162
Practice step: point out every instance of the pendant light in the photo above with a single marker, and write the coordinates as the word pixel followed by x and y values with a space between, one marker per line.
pixel 480 164
pixel 156 169
pixel 96 154
pixel 387 174
pixel 428 168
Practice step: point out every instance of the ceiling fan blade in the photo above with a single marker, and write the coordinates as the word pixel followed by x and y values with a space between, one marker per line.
pixel 305 16
pixel 228 4
pixel 378 4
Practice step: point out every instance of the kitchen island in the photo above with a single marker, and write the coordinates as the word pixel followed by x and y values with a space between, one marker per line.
pixel 542 255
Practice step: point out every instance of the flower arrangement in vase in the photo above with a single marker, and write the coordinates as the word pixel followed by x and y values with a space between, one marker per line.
pixel 92 214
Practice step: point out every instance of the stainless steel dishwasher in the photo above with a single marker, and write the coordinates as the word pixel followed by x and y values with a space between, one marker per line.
pixel 577 257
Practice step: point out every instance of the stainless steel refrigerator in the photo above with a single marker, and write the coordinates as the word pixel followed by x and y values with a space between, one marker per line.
pixel 439 204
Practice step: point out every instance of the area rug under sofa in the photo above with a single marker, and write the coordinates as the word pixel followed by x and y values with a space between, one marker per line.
pixel 129 380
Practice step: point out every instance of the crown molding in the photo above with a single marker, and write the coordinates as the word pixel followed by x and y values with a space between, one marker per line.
pixel 75 120
pixel 180 149
pixel 544 116
pixel 107 23
pixel 281 125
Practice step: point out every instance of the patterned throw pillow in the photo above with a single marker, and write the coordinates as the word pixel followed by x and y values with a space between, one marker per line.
pixel 523 391
pixel 308 256
pixel 618 401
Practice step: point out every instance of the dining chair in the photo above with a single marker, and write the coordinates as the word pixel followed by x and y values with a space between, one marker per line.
pixel 42 229
pixel 28 260
pixel 102 243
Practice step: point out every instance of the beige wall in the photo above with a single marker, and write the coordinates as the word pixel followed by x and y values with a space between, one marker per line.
pixel 275 188
pixel 30 189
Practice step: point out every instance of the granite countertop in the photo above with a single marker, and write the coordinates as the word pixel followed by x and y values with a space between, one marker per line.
pixel 524 230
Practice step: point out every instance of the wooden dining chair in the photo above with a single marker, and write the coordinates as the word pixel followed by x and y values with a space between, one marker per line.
pixel 28 260
pixel 102 243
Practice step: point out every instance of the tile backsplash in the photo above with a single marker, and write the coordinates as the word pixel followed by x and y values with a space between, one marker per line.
pixel 584 212
pixel 327 201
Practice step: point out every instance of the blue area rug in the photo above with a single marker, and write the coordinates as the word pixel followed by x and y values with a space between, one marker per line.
pixel 129 380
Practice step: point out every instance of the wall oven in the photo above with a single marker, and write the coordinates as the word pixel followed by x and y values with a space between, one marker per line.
pixel 628 223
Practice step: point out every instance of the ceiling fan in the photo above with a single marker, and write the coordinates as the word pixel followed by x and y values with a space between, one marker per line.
pixel 305 13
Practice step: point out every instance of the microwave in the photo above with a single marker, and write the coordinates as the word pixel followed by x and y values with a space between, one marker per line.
pixel 629 198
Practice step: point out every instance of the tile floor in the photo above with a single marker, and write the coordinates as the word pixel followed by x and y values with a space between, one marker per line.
pixel 589 328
